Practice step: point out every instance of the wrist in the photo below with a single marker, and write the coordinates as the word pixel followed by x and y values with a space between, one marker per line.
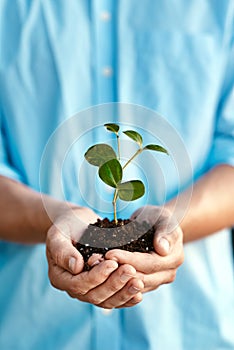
pixel 48 211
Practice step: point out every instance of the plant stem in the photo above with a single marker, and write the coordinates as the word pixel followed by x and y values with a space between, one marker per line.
pixel 134 156
pixel 116 191
pixel 118 146
pixel 114 205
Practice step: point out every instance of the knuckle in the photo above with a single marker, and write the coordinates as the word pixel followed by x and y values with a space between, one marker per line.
pixel 123 297
pixel 59 257
pixel 76 289
pixel 51 277
pixel 172 276
pixel 106 271
pixel 73 290
pixel 136 299
pixel 114 287
pixel 71 295
pixel 180 260
pixel 53 280
pixel 53 283
pixel 107 307
pixel 152 269
pixel 127 270
pixel 95 279
pixel 93 299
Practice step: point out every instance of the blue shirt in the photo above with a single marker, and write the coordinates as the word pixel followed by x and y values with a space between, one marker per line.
pixel 61 57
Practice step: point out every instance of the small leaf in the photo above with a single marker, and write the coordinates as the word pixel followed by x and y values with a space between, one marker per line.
pixel 112 127
pixel 100 154
pixel 156 148
pixel 131 190
pixel 111 172
pixel 135 136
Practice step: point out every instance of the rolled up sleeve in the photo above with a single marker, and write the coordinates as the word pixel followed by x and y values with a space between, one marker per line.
pixel 6 167
pixel 222 151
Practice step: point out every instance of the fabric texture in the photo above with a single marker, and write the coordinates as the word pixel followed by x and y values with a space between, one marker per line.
pixel 61 57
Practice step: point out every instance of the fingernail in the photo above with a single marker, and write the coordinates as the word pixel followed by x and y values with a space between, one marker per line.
pixel 97 255
pixel 133 290
pixel 164 244
pixel 72 263
pixel 125 277
pixel 95 263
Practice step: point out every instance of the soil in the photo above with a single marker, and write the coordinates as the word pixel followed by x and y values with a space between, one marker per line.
pixel 105 235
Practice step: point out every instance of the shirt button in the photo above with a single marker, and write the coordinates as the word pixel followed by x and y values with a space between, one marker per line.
pixel 107 312
pixel 105 16
pixel 107 71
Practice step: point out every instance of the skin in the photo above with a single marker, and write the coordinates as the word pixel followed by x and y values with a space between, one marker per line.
pixel 121 279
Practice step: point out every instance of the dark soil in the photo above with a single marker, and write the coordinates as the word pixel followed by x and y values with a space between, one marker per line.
pixel 104 235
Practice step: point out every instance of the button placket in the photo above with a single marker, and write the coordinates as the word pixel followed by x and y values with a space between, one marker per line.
pixel 105 16
pixel 104 51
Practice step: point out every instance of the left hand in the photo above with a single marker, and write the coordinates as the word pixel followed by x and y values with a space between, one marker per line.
pixel 158 267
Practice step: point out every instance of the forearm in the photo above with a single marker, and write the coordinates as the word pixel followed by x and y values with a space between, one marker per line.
pixel 212 204
pixel 22 212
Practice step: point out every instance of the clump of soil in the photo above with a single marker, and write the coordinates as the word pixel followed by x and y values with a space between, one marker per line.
pixel 105 235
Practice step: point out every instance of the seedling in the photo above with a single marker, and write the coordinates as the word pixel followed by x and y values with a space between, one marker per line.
pixel 110 169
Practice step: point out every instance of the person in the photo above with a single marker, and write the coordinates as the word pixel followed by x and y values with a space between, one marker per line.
pixel 59 58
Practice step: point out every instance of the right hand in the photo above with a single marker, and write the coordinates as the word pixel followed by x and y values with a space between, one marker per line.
pixel 106 284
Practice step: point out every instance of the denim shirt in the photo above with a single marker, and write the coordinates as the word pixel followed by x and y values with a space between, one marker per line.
pixel 58 58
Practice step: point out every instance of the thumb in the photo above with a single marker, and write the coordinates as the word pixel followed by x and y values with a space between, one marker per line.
pixel 161 244
pixel 165 240
pixel 62 252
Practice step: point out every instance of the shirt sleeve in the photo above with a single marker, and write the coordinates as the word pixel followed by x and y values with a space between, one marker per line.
pixel 6 167
pixel 222 151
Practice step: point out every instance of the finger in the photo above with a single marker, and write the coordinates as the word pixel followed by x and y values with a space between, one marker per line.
pixel 133 287
pixel 149 213
pixel 136 299
pixel 81 284
pixel 61 250
pixel 155 280
pixel 167 230
pixel 95 259
pixel 59 278
pixel 143 262
pixel 115 283
pixel 136 213
pixel 87 215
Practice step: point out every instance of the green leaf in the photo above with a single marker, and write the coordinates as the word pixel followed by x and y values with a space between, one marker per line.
pixel 156 148
pixel 112 127
pixel 111 172
pixel 135 136
pixel 100 154
pixel 131 190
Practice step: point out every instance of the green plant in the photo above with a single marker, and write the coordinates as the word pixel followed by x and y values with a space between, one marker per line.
pixel 110 169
